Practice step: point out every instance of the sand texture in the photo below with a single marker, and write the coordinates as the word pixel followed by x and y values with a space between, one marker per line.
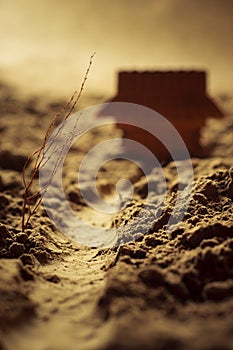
pixel 165 290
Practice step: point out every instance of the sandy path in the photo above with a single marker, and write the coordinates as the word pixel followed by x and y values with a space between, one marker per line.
pixel 66 305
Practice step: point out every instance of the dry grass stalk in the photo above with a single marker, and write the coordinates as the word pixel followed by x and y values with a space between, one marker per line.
pixel 31 202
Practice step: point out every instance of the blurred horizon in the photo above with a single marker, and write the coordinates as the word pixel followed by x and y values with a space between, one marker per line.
pixel 46 46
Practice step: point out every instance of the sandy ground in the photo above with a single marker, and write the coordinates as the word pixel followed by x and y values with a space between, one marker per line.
pixel 166 290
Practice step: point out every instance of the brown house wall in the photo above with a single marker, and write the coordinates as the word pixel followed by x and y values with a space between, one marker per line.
pixel 180 96
pixel 161 84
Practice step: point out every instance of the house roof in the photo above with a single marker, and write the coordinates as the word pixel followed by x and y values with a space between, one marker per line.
pixel 175 94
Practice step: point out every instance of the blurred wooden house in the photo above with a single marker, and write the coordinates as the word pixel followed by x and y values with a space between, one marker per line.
pixel 180 96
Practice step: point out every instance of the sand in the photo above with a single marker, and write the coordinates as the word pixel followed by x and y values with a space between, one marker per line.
pixel 164 290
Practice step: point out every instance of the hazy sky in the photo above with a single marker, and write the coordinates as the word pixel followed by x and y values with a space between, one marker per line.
pixel 47 43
